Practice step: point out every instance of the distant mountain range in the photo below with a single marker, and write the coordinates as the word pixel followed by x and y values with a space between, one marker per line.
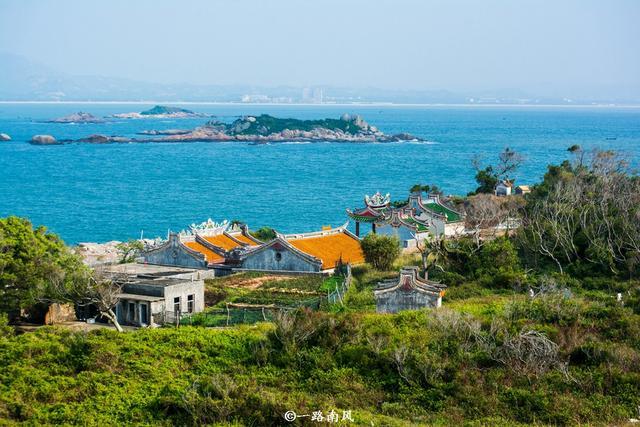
pixel 25 80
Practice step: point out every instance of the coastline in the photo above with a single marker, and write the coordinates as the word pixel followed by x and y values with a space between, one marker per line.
pixel 326 104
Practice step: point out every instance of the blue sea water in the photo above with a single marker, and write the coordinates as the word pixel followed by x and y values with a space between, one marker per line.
pixel 104 192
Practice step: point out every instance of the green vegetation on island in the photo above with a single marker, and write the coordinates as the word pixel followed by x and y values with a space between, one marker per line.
pixel 265 124
pixel 162 109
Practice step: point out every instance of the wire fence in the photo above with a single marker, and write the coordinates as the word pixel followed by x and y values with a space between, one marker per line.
pixel 337 295
pixel 236 314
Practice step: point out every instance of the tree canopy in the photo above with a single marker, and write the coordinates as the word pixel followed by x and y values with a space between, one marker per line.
pixel 380 251
pixel 30 259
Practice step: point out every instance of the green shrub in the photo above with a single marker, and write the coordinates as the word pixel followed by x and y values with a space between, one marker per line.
pixel 380 251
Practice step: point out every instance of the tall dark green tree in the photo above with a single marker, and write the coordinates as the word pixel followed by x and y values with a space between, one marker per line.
pixel 30 259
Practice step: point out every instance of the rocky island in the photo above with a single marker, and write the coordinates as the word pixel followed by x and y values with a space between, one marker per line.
pixel 44 140
pixel 265 129
pixel 79 117
pixel 160 112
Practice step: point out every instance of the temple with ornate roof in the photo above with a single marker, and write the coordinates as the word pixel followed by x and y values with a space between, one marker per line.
pixel 416 220
pixel 228 249
pixel 202 246
pixel 318 251
pixel 408 292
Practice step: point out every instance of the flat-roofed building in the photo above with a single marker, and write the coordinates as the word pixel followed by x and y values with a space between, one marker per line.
pixel 152 294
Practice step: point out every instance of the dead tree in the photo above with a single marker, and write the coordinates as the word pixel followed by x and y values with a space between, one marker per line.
pixel 97 289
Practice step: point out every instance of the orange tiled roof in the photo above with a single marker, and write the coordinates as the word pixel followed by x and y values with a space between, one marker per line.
pixel 331 248
pixel 222 241
pixel 210 256
pixel 244 239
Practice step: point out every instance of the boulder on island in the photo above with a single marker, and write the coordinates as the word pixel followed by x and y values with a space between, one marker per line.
pixel 4 137
pixel 44 140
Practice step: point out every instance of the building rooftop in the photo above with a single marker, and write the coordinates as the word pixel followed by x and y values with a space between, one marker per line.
pixel 211 256
pixel 329 246
pixel 136 269
pixel 222 241
pixel 138 297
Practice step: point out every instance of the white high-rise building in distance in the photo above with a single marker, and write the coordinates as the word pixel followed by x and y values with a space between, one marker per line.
pixel 317 95
pixel 312 95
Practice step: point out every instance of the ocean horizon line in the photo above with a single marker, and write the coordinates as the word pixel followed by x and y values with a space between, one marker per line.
pixel 325 104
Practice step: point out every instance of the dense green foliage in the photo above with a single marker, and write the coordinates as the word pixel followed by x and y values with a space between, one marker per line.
pixel 423 367
pixel 162 109
pixel 380 251
pixel 30 260
pixel 266 124
pixel 487 180
pixel 264 234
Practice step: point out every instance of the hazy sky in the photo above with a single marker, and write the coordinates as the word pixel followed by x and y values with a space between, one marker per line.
pixel 553 47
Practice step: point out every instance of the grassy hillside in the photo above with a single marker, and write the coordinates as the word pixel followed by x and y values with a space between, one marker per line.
pixel 471 361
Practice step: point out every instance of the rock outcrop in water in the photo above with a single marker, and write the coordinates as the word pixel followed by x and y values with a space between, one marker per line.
pixel 79 117
pixel 44 140
pixel 160 112
pixel 165 132
pixel 4 137
pixel 103 139
pixel 266 129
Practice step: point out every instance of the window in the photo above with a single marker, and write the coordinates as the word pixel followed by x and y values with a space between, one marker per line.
pixel 278 256
pixel 176 305
pixel 191 299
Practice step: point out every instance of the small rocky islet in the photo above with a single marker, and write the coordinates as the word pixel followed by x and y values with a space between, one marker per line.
pixel 79 117
pixel 263 129
pixel 160 112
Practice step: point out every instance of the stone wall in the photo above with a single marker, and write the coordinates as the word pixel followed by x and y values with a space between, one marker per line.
pixel 175 253
pixel 401 299
pixel 278 259
pixel 182 290
pixel 59 313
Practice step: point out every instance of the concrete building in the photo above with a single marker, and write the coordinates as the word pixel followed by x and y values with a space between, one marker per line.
pixel 408 292
pixel 503 188
pixel 155 294
pixel 521 190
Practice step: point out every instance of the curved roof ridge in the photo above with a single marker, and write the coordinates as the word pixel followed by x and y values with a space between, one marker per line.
pixel 169 242
pixel 204 242
pixel 232 237
pixel 436 199
pixel 319 233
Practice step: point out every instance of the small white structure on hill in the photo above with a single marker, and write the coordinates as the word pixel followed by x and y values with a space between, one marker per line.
pixel 503 188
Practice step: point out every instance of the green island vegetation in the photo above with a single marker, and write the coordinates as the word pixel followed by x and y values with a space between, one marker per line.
pixel 531 330
pixel 162 109
pixel 265 124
